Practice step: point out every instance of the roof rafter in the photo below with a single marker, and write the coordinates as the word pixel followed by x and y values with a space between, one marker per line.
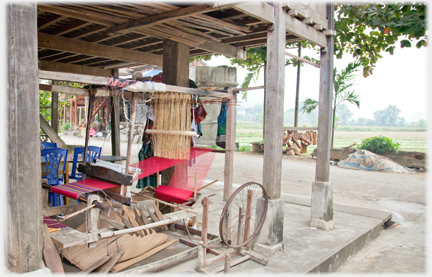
pixel 97 50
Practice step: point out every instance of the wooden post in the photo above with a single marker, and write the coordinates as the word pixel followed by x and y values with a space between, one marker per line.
pixel 54 111
pixel 71 112
pixel 322 188
pixel 205 225
pixel 239 227
pixel 134 102
pixel 175 72
pixel 75 110
pixel 248 215
pixel 274 104
pixel 229 152
pixel 23 217
pixel 229 145
pixel 322 172
pixel 89 113
pixel 227 265
pixel 115 122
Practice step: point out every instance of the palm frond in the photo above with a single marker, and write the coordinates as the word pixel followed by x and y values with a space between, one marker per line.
pixel 309 105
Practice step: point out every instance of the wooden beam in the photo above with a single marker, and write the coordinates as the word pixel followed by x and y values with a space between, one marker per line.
pixel 306 11
pixel 158 19
pixel 74 68
pixel 97 50
pixel 94 17
pixel 50 20
pixel 306 32
pixel 302 59
pixel 78 78
pixel 53 135
pixel 54 111
pixel 260 10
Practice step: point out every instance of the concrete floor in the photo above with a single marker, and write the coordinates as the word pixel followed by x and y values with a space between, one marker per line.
pixel 358 196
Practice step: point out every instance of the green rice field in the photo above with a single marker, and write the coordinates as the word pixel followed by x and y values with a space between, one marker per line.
pixel 409 140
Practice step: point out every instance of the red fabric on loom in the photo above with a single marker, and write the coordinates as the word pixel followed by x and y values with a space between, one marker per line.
pixel 74 190
pixel 52 223
pixel 174 195
pixel 156 164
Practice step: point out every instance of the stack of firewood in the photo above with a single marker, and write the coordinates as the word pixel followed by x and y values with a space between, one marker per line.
pixel 300 141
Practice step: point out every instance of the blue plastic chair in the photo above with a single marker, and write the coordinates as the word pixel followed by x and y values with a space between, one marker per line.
pixel 53 158
pixel 93 152
pixel 46 144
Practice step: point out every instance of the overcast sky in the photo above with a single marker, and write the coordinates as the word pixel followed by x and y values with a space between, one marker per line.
pixel 398 79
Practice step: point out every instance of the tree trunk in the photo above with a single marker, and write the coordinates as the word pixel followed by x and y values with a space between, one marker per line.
pixel 334 121
pixel 297 87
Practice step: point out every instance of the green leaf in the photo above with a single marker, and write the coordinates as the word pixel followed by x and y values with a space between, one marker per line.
pixel 405 43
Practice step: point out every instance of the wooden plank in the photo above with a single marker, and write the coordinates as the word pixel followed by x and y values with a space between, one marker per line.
pixel 152 215
pixel 306 32
pixel 262 11
pixel 158 19
pixel 97 50
pixel 302 59
pixel 74 68
pixel 143 216
pixel 114 258
pixel 78 78
pixel 51 133
pixel 158 265
pixel 50 253
pixel 70 237
pixel 131 218
pixel 255 257
pixel 275 85
pixel 159 214
pixel 96 265
pixel 300 128
pixel 50 211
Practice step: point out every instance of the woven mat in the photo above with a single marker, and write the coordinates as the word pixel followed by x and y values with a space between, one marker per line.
pixel 82 257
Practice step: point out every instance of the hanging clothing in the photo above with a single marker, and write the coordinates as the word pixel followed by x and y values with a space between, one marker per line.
pixel 221 130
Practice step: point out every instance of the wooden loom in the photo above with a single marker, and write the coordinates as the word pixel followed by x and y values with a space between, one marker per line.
pixel 71 237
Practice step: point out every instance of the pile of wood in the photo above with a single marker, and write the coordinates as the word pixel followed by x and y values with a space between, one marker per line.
pixel 119 252
pixel 299 141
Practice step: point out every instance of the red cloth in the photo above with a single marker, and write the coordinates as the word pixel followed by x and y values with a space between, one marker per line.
pixel 92 132
pixel 74 190
pixel 156 164
pixel 174 195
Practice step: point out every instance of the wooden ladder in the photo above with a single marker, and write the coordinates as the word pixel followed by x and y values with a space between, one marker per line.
pixel 98 104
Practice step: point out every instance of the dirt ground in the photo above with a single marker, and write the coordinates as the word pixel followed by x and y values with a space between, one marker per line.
pixel 400 248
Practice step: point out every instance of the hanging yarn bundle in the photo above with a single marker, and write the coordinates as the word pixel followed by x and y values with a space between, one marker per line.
pixel 171 127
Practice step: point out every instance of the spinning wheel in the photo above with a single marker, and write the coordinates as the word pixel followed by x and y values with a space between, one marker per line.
pixel 239 222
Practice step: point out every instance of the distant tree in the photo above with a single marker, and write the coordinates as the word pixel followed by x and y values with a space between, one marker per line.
pixel 421 123
pixel 389 117
pixel 361 121
pixel 342 82
pixel 344 114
